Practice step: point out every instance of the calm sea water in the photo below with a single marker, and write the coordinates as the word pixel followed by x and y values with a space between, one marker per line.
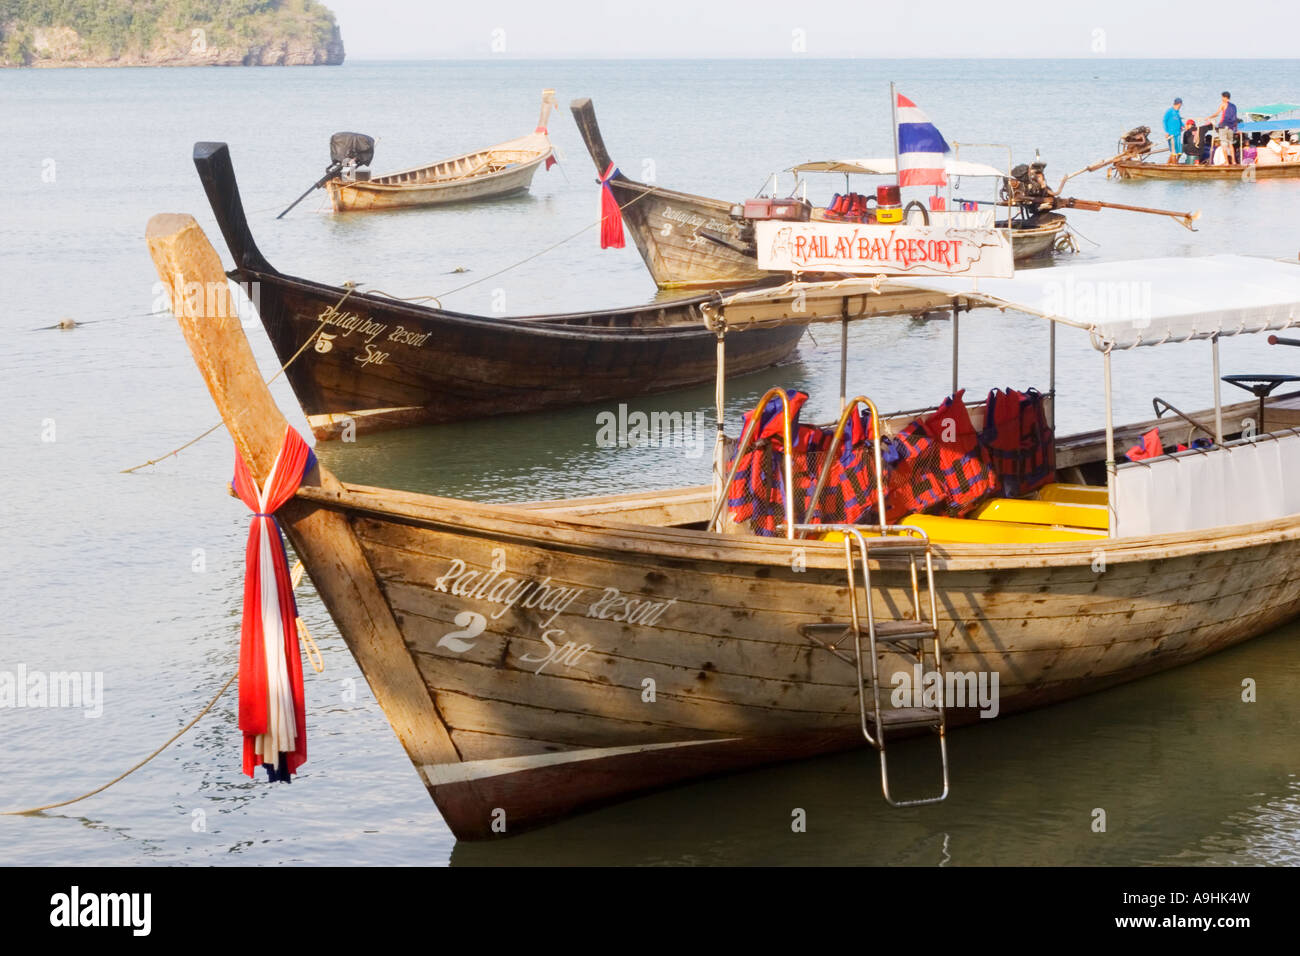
pixel 138 577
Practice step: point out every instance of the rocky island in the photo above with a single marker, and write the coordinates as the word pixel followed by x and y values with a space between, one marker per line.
pixel 71 33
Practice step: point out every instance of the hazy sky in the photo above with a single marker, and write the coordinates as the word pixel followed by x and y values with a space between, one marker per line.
pixel 428 29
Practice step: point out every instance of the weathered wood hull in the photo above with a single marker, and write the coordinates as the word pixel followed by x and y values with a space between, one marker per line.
pixel 505 169
pixel 539 733
pixel 363 362
pixel 691 242
pixel 379 364
pixel 356 196
pixel 1137 170
pixel 1039 238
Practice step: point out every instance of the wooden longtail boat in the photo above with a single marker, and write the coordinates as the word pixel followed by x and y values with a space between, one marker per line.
pixel 367 362
pixel 690 241
pixel 1277 118
pixel 537 659
pixel 505 169
pixel 1135 169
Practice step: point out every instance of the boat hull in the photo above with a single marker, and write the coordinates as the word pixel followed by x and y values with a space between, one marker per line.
pixel 694 242
pixel 562 705
pixel 357 196
pixel 1039 239
pixel 1132 170
pixel 537 659
pixel 691 242
pixel 367 364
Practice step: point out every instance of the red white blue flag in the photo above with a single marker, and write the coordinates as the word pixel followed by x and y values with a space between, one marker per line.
pixel 921 147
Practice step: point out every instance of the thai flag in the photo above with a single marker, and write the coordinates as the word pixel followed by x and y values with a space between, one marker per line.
pixel 921 148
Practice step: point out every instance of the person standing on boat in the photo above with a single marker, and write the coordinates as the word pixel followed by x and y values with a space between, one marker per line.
pixel 1191 144
pixel 1174 130
pixel 1225 120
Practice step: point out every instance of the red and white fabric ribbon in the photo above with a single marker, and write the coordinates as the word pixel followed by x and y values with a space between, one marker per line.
pixel 272 716
pixel 611 217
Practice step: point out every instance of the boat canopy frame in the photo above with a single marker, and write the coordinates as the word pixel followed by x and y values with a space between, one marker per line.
pixel 954 168
pixel 1266 294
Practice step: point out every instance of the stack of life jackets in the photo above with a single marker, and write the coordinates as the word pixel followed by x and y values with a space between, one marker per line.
pixel 756 495
pixel 850 493
pixel 1019 440
pixel 850 206
pixel 937 465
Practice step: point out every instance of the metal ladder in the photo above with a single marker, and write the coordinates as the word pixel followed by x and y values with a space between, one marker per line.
pixel 909 635
pixel 917 636
pixel 899 540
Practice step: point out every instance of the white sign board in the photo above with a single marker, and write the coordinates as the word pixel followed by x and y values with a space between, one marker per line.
pixel 863 249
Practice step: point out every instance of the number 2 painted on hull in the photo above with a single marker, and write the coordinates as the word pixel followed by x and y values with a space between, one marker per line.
pixel 472 624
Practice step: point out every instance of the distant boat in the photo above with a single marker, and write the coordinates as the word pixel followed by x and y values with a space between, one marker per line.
pixel 368 362
pixel 501 170
pixel 1136 169
pixel 1280 118
pixel 691 242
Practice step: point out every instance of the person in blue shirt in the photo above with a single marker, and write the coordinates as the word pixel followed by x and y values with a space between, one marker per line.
pixel 1174 130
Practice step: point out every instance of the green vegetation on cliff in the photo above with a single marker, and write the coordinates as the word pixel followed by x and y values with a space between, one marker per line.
pixel 143 31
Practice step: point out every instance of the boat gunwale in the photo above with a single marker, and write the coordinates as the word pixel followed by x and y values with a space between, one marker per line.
pixel 496 520
pixel 1225 171
pixel 376 184
pixel 559 324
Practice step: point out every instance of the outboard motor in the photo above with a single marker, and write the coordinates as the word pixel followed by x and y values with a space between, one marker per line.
pixel 1027 185
pixel 348 152
pixel 1136 141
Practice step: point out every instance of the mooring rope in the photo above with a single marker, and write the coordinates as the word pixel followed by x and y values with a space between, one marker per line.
pixel 313 656
pixel 122 776
pixel 76 325
pixel 311 338
pixel 492 275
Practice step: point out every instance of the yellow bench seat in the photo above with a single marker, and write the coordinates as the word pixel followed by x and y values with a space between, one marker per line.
pixel 969 531
pixel 1058 513
pixel 1074 494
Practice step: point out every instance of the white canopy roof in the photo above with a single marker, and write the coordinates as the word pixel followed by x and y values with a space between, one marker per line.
pixel 1147 301
pixel 885 167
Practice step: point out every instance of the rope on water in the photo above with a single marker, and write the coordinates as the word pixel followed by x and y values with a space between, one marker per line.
pixel 70 323
pixel 313 655
pixel 515 265
pixel 122 776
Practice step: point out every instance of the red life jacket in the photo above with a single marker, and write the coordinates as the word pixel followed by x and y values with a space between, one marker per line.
pixel 1020 442
pixel 965 471
pixel 850 493
pixel 911 482
pixel 1150 447
pixel 756 496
